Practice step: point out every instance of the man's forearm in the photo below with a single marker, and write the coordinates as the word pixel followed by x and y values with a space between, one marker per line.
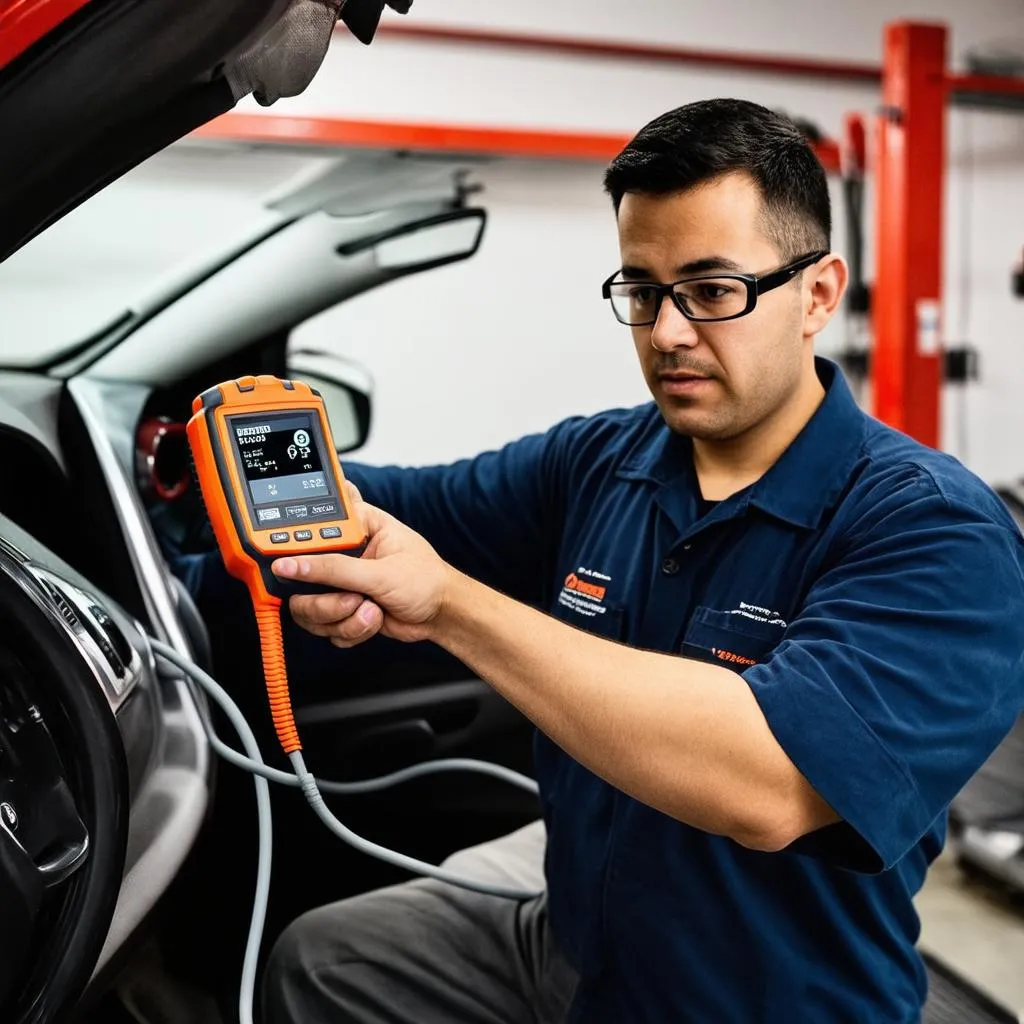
pixel 683 736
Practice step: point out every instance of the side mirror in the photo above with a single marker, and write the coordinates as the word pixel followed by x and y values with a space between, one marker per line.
pixel 346 390
pixel 424 244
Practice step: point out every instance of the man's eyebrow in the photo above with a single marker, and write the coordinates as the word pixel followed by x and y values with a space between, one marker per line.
pixel 709 263
pixel 705 265
pixel 636 273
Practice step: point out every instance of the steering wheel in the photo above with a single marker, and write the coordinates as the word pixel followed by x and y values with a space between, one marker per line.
pixel 63 807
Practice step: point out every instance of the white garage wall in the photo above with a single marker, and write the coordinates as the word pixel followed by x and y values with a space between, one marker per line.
pixel 469 356
pixel 514 364
pixel 830 29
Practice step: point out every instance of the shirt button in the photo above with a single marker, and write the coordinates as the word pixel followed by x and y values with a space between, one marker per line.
pixel 670 567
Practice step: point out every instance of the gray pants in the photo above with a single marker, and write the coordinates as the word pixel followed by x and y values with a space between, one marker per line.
pixel 428 953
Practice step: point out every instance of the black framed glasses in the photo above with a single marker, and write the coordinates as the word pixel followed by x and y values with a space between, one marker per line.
pixel 705 299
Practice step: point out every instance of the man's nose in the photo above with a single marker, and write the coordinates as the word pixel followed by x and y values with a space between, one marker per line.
pixel 672 329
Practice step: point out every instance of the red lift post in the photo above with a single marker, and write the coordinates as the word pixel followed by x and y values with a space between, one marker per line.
pixel 906 358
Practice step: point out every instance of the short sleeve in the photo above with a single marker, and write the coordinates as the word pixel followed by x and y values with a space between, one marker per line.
pixel 903 669
pixel 496 517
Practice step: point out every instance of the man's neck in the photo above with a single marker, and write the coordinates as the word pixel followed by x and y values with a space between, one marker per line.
pixel 725 467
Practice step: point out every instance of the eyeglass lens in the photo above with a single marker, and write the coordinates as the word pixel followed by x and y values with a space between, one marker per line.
pixel 706 298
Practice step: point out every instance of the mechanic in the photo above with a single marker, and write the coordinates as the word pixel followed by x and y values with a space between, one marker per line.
pixel 765 639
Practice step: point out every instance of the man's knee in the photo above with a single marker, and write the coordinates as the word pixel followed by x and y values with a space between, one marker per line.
pixel 288 984
pixel 332 965
pixel 329 960
pixel 304 977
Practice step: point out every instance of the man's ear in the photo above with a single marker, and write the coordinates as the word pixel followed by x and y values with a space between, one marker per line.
pixel 824 286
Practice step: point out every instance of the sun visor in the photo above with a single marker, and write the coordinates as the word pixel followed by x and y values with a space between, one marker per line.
pixel 284 60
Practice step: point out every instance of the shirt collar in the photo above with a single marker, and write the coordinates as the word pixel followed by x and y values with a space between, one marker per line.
pixel 805 480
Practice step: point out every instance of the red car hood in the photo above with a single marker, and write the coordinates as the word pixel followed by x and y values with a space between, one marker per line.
pixel 90 88
pixel 24 22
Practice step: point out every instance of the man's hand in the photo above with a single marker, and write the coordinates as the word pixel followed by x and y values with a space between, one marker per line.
pixel 396 588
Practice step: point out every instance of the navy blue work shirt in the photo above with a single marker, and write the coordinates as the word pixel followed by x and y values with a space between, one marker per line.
pixel 869 590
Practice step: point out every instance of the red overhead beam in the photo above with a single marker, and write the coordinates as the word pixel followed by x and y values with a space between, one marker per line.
pixel 343 132
pixel 995 85
pixel 590 47
pixel 437 138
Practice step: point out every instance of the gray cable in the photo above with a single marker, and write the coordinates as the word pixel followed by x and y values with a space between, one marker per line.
pixel 450 764
pixel 259 905
pixel 361 786
pixel 323 812
pixel 311 789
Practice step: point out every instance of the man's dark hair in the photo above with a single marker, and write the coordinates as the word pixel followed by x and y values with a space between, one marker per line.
pixel 699 142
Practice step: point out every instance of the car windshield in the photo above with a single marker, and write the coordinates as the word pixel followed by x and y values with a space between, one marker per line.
pixel 89 269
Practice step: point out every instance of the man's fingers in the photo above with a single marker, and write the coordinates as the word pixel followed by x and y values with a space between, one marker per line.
pixel 358 628
pixel 322 609
pixel 353 492
pixel 345 619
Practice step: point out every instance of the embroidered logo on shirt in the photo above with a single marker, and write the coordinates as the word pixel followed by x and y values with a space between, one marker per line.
pixel 736 659
pixel 584 591
pixel 758 614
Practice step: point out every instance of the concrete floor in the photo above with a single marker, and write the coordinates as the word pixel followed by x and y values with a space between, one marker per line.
pixel 977 930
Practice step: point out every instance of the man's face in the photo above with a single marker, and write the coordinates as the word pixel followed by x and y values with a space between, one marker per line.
pixel 713 381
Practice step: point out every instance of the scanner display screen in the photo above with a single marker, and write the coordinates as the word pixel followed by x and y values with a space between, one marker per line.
pixel 280 455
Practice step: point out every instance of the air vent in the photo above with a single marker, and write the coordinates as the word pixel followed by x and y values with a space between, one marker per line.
pixel 66 611
pixel 97 624
pixel 94 632
pixel 109 639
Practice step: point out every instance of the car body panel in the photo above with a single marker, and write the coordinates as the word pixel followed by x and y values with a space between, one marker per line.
pixel 25 22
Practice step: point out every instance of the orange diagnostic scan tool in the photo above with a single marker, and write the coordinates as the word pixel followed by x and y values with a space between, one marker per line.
pixel 272 484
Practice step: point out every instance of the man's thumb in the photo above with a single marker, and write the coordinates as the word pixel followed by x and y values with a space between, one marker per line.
pixel 343 572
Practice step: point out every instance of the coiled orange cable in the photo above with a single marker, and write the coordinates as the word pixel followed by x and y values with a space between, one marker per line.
pixel 268 619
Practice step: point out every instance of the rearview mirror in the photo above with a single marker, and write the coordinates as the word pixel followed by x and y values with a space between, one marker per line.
pixel 427 243
pixel 430 245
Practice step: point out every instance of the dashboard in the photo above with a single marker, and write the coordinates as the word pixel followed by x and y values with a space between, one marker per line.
pixel 75 538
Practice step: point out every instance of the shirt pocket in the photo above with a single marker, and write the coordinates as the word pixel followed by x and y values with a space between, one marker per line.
pixel 729 639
